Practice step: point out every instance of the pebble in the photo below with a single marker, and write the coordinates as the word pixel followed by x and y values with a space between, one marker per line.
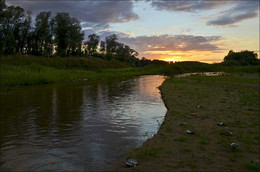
pixel 220 123
pixel 226 133
pixel 182 123
pixel 190 132
pixel 234 145
pixel 131 163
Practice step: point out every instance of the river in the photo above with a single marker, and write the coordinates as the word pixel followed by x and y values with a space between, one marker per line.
pixel 77 126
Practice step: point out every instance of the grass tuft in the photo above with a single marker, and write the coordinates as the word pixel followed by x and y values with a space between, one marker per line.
pixel 252 165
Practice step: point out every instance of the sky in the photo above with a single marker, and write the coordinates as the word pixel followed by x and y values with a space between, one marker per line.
pixel 171 30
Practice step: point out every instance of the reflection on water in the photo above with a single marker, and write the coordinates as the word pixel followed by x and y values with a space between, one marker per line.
pixel 77 126
pixel 200 73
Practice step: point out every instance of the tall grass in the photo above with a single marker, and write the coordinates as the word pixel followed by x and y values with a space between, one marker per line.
pixel 29 70
pixel 183 68
pixel 12 75
pixel 64 62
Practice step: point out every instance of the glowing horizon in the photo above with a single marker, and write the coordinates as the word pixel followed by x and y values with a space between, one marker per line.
pixel 170 30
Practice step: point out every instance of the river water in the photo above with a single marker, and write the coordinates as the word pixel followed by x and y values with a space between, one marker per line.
pixel 78 126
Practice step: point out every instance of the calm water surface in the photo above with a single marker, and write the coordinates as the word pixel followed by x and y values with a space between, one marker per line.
pixel 77 126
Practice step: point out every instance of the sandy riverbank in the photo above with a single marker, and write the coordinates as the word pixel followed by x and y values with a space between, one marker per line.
pixel 197 103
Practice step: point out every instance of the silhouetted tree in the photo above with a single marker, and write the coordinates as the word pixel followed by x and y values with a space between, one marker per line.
pixel 144 62
pixel 118 50
pixel 2 5
pixel 67 33
pixel 111 44
pixel 102 46
pixel 2 39
pixel 241 58
pixel 15 25
pixel 24 31
pixel 62 32
pixel 92 43
pixel 76 37
pixel 42 34
pixel 125 53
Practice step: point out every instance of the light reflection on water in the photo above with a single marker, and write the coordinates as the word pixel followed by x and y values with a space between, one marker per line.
pixel 78 126
pixel 200 74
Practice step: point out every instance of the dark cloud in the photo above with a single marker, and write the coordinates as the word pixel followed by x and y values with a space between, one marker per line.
pixel 97 14
pixel 239 9
pixel 178 47
pixel 104 33
pixel 188 6
pixel 173 43
pixel 243 10
pixel 160 43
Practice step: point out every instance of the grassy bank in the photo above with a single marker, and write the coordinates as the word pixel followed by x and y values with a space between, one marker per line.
pixel 36 74
pixel 63 62
pixel 29 70
pixel 233 99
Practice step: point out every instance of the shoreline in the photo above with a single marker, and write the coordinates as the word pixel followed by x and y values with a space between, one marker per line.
pixel 172 149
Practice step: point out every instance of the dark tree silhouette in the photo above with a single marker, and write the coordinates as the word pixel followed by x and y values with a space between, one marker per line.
pixel 67 33
pixel 144 62
pixel 2 41
pixel 2 5
pixel 111 44
pixel 42 34
pixel 103 46
pixel 15 26
pixel 75 37
pixel 60 32
pixel 241 58
pixel 92 43
pixel 125 53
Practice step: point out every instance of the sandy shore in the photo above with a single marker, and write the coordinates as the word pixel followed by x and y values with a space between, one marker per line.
pixel 197 104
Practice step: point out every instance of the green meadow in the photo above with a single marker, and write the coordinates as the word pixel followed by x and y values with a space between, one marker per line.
pixel 18 70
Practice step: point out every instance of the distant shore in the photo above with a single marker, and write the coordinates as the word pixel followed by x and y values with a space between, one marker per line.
pixel 198 104
pixel 18 70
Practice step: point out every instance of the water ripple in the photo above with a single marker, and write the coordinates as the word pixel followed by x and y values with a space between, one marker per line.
pixel 78 126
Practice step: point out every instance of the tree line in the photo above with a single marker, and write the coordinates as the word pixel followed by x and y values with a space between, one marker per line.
pixel 60 35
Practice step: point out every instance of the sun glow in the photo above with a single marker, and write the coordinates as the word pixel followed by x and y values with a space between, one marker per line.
pixel 171 59
pixel 168 59
pixel 178 56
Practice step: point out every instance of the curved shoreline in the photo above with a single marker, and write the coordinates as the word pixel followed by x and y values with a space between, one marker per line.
pixel 172 149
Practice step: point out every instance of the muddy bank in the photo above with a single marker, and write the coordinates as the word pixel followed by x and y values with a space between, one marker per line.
pixel 198 104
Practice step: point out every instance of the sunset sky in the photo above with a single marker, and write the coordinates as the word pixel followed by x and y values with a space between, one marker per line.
pixel 195 30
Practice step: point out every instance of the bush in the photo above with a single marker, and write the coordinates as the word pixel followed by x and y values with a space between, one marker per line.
pixel 242 58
